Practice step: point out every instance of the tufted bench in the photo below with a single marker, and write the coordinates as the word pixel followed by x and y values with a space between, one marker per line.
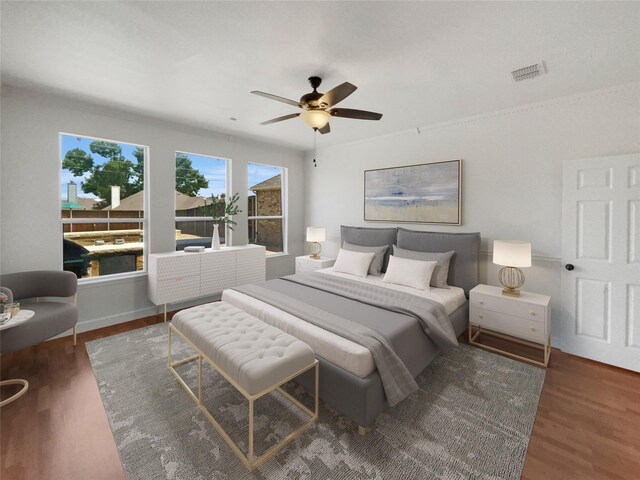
pixel 256 358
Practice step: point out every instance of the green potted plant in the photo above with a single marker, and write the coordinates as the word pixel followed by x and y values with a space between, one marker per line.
pixel 222 211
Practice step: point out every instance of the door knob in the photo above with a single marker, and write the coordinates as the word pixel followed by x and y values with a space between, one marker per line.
pixel 569 267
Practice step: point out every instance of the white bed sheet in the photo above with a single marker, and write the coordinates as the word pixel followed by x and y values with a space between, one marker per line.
pixel 342 352
pixel 450 298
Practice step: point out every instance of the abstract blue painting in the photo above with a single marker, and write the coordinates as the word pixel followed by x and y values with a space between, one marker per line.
pixel 426 193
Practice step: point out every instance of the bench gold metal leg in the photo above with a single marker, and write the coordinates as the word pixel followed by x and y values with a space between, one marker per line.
pixel 169 355
pixel 199 378
pixel 363 430
pixel 250 455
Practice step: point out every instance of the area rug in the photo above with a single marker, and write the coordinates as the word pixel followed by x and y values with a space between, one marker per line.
pixel 471 419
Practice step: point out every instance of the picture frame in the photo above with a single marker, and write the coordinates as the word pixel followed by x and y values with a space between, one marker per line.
pixel 428 193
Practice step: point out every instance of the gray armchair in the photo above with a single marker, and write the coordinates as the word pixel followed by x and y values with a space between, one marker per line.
pixel 51 317
pixel 34 291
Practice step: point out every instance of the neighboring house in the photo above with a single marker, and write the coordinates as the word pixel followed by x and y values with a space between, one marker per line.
pixel 185 205
pixel 266 202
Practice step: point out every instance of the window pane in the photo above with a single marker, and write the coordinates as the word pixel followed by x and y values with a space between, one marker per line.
pixel 265 190
pixel 101 181
pixel 198 178
pixel 267 233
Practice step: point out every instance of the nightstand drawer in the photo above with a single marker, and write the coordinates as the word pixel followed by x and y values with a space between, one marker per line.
pixel 508 324
pixel 507 306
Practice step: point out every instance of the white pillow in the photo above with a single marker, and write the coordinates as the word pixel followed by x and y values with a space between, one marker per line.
pixel 354 263
pixel 411 273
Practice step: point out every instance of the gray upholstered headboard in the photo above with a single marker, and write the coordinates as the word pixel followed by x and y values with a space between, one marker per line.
pixel 463 270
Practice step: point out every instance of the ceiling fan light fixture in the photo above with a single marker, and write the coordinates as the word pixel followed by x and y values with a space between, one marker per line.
pixel 315 118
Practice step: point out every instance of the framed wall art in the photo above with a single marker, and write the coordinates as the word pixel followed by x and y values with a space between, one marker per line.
pixel 425 193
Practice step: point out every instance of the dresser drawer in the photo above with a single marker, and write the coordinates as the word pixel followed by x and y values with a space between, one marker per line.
pixel 508 324
pixel 178 267
pixel 180 287
pixel 507 306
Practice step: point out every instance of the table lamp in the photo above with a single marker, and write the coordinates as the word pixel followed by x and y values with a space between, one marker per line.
pixel 315 235
pixel 511 254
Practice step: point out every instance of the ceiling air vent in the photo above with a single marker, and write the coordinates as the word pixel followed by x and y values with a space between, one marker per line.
pixel 529 72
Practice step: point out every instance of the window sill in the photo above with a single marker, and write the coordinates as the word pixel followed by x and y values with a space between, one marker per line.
pixel 110 279
pixel 277 255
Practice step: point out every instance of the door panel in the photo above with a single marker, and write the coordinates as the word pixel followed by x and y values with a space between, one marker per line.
pixel 594 177
pixel 633 316
pixel 594 230
pixel 601 238
pixel 634 227
pixel 592 308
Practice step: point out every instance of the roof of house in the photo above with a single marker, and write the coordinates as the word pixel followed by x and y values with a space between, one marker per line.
pixel 85 203
pixel 183 202
pixel 272 183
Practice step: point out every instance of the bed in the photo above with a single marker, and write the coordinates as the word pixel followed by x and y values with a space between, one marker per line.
pixel 349 379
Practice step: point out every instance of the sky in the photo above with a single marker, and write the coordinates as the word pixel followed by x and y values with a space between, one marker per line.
pixel 214 169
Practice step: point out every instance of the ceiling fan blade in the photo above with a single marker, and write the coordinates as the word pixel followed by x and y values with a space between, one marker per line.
pixel 337 94
pixel 277 98
pixel 358 114
pixel 325 129
pixel 279 119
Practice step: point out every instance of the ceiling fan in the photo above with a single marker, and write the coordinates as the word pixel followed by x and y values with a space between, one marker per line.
pixel 318 107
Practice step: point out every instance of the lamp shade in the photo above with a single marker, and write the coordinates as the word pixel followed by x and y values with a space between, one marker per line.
pixel 315 118
pixel 315 234
pixel 512 253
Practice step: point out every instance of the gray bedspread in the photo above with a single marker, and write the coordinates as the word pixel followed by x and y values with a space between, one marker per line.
pixel 356 311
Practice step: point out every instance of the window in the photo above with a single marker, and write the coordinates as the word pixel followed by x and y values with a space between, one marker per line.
pixel 199 181
pixel 266 207
pixel 102 206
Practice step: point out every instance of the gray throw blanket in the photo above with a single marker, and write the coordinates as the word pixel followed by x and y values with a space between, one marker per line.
pixel 431 315
pixel 397 381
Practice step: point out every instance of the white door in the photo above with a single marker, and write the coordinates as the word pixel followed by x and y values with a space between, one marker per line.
pixel 601 255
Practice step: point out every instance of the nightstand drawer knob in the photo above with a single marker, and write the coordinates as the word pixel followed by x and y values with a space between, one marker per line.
pixel 533 314
pixel 532 329
pixel 480 316
pixel 481 302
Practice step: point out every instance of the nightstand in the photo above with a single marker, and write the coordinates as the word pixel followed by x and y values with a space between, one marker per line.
pixel 308 264
pixel 525 320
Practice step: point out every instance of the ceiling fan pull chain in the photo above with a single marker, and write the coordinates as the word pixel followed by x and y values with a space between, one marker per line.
pixel 315 147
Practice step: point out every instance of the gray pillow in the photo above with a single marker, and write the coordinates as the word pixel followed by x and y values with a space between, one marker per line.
pixel 464 266
pixel 440 273
pixel 370 237
pixel 378 258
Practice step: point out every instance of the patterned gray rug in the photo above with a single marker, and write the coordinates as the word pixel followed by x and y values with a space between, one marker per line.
pixel 471 419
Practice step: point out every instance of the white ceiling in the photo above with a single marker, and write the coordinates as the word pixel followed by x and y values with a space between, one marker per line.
pixel 418 63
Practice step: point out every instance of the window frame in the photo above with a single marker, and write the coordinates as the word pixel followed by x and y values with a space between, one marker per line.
pixel 108 220
pixel 227 180
pixel 284 201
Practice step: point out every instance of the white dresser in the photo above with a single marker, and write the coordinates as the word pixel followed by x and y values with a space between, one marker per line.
pixel 308 264
pixel 178 276
pixel 525 319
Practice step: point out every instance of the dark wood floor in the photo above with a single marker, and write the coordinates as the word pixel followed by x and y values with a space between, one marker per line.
pixel 587 426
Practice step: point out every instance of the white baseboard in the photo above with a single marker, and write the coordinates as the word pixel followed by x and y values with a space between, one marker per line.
pixel 94 324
